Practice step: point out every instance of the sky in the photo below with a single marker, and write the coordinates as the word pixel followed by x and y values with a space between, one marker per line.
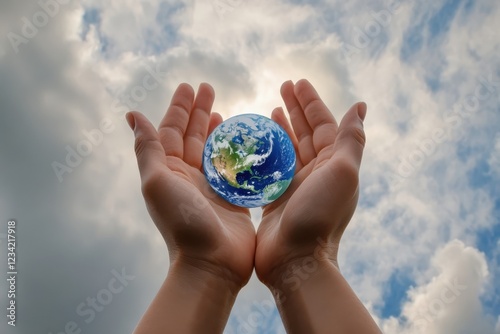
pixel 422 251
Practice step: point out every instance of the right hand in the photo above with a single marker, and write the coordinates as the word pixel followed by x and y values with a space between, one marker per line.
pixel 315 210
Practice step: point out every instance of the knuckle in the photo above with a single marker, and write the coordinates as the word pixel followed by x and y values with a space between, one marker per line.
pixel 317 113
pixel 303 136
pixel 141 144
pixel 356 133
pixel 177 130
pixel 359 135
pixel 198 135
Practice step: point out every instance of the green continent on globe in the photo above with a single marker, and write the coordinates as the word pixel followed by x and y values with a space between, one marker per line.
pixel 231 158
pixel 275 190
pixel 249 160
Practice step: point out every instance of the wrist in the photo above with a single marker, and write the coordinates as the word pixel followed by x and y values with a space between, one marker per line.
pixel 318 299
pixel 191 300
pixel 299 263
pixel 298 274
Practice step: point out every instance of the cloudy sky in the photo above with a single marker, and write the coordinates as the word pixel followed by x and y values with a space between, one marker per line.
pixel 422 251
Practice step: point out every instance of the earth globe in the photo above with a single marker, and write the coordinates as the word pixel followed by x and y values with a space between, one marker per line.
pixel 249 160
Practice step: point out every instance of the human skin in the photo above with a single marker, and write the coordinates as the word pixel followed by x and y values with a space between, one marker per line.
pixel 298 238
pixel 212 244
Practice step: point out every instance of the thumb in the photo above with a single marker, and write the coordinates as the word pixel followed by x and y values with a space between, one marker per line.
pixel 148 149
pixel 351 138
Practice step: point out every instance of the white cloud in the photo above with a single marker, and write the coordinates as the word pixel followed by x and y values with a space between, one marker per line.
pixel 60 84
pixel 448 300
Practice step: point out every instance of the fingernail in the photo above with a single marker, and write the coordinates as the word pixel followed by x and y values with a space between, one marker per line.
pixel 362 110
pixel 130 120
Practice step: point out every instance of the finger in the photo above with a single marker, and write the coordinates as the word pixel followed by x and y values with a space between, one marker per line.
pixel 215 120
pixel 196 132
pixel 350 142
pixel 300 126
pixel 319 118
pixel 175 122
pixel 151 157
pixel 278 115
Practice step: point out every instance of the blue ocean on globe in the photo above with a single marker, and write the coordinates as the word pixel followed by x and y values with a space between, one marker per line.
pixel 249 160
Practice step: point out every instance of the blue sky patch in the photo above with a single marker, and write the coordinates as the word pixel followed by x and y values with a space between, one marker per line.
pixel 395 294
pixel 486 242
pixel 167 18
pixel 91 16
pixel 441 21
pixel 413 40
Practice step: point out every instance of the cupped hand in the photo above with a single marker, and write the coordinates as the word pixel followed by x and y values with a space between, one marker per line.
pixel 307 221
pixel 202 231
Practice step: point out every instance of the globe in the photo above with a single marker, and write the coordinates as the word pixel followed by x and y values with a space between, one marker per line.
pixel 249 160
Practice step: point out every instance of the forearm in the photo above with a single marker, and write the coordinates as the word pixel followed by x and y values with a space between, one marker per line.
pixel 189 301
pixel 321 302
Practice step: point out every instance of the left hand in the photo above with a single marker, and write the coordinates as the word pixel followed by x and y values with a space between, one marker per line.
pixel 203 232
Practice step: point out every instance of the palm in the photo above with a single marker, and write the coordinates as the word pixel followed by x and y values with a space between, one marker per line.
pixel 323 194
pixel 196 223
pixel 227 229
